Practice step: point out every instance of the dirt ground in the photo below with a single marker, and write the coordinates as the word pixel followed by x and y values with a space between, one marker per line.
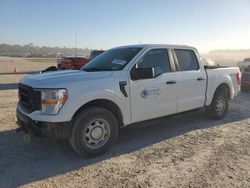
pixel 13 69
pixel 187 150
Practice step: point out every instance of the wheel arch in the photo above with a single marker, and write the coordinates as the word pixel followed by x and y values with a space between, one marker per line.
pixel 225 88
pixel 212 107
pixel 104 103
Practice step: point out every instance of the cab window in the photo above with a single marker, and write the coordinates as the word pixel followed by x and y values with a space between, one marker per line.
pixel 157 59
pixel 187 60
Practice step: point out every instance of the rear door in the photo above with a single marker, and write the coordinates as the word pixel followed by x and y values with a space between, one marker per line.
pixel 156 97
pixel 192 80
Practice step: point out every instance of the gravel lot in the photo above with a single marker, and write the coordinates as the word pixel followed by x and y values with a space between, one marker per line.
pixel 186 150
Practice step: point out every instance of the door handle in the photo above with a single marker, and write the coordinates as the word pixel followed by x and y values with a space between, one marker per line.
pixel 200 79
pixel 171 82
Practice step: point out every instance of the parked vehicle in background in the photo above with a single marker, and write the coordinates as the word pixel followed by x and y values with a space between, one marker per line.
pixel 244 64
pixel 71 63
pixel 76 62
pixel 49 69
pixel 95 53
pixel 245 80
pixel 122 86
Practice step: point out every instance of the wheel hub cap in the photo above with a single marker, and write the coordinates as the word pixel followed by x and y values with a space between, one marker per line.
pixel 96 133
pixel 220 106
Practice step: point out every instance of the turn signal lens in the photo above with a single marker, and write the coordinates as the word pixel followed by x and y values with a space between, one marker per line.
pixel 49 101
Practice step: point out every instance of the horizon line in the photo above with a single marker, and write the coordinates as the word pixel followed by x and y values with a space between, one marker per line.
pixel 84 48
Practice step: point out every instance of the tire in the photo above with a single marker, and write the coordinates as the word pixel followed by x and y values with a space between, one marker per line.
pixel 94 131
pixel 219 106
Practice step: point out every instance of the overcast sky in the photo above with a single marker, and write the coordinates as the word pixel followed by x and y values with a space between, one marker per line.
pixel 207 25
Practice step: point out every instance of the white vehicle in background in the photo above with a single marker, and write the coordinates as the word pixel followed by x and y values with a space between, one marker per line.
pixel 244 64
pixel 124 85
pixel 208 62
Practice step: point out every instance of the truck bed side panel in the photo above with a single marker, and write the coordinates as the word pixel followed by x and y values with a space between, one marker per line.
pixel 219 76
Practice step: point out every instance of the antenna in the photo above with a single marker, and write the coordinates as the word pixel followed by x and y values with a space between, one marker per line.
pixel 75 44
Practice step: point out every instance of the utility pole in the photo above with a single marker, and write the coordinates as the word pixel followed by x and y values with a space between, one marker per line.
pixel 75 44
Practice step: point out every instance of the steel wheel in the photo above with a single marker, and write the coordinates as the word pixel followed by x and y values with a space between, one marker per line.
pixel 96 133
pixel 220 106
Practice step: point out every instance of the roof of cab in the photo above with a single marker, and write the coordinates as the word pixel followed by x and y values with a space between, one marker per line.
pixel 157 46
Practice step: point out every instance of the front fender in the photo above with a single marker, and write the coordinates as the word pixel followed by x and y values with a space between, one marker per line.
pixel 119 100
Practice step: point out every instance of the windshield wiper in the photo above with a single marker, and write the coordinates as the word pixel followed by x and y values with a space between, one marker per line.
pixel 92 69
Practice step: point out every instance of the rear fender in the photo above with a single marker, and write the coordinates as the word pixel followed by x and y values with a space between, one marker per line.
pixel 226 82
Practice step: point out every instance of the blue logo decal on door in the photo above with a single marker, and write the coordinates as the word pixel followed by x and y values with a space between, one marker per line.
pixel 144 93
pixel 150 93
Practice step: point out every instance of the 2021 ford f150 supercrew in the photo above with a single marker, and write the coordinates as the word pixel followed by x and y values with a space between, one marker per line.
pixel 122 86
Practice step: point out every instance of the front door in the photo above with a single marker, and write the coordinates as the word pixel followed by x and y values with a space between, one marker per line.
pixel 156 97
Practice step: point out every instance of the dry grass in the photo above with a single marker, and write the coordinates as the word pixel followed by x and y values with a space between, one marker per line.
pixel 41 60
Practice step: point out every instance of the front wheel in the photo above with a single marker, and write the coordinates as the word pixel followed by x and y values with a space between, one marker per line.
pixel 94 131
pixel 219 106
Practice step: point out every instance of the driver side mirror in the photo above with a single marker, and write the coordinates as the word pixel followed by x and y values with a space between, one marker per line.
pixel 142 73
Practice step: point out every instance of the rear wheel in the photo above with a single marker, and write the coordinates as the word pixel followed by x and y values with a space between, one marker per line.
pixel 94 131
pixel 219 106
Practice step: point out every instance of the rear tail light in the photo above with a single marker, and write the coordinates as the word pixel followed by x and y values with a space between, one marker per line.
pixel 238 76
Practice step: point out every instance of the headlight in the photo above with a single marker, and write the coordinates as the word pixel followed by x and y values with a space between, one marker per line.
pixel 52 100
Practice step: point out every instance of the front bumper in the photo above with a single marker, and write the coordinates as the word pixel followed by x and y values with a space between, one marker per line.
pixel 38 116
pixel 61 130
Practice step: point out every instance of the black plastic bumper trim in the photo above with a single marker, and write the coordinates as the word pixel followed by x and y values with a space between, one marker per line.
pixel 60 130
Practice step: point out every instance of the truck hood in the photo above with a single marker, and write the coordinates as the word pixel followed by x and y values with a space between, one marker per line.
pixel 62 78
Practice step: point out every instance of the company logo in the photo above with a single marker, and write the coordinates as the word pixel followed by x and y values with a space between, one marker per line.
pixel 150 93
pixel 144 93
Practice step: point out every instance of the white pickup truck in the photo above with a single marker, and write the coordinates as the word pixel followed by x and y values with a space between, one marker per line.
pixel 122 86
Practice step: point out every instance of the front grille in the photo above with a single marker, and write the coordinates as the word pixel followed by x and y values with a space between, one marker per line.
pixel 29 98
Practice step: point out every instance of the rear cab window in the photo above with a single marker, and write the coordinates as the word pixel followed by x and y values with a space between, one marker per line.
pixel 187 60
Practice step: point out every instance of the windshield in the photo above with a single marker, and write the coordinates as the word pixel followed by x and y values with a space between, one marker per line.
pixel 112 60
